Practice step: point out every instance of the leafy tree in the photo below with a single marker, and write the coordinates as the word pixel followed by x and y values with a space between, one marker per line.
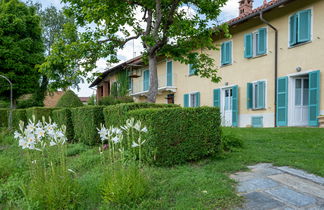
pixel 69 99
pixel 21 47
pixel 165 28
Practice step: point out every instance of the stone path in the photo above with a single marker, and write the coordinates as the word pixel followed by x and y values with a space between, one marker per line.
pixel 280 188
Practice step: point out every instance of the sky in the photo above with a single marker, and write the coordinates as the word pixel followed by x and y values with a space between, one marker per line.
pixel 134 48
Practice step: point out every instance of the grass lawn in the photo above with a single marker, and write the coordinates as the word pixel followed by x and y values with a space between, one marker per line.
pixel 201 185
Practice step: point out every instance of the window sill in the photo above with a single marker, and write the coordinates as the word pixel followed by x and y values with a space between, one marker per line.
pixel 191 75
pixel 258 109
pixel 258 56
pixel 300 44
pixel 225 65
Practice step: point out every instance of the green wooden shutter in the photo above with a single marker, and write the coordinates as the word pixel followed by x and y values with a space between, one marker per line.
pixel 262 42
pixel 223 54
pixel 282 101
pixel 235 106
pixel 261 98
pixel 229 52
pixel 248 46
pixel 186 100
pixel 314 98
pixel 293 30
pixel 146 80
pixel 217 98
pixel 198 99
pixel 304 26
pixel 249 96
pixel 169 73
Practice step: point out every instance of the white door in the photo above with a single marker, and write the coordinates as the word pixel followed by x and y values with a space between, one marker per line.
pixel 227 106
pixel 300 110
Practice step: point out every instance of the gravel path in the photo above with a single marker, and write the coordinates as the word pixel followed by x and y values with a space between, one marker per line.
pixel 280 188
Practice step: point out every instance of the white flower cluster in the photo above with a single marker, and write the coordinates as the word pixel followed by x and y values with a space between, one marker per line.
pixel 36 136
pixel 116 134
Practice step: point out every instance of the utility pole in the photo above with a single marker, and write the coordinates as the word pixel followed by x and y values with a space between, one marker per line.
pixel 11 102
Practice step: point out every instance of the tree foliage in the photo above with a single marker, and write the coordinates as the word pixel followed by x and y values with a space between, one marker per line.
pixel 21 47
pixel 165 27
pixel 69 100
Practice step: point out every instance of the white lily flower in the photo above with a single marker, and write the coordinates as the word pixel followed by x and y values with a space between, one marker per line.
pixel 137 126
pixel 17 135
pixel 52 143
pixel 144 130
pixel 115 139
pixel 135 144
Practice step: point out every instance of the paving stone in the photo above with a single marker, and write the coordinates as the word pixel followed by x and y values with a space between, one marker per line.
pixel 303 174
pixel 290 196
pixel 300 184
pixel 256 184
pixel 260 201
pixel 243 176
pixel 266 171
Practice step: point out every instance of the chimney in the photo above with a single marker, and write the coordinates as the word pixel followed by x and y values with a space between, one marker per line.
pixel 246 7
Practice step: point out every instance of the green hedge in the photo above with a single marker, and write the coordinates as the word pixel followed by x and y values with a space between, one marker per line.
pixel 116 115
pixel 39 112
pixel 17 116
pixel 64 117
pixel 3 117
pixel 178 135
pixel 86 120
pixel 69 100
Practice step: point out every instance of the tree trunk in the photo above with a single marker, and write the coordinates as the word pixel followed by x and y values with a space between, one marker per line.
pixel 154 83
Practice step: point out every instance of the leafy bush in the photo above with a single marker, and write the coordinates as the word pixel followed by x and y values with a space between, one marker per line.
pixel 64 117
pixel 23 104
pixel 124 185
pixel 92 100
pixel 177 135
pixel 17 116
pixel 111 100
pixel 69 99
pixel 116 115
pixel 86 120
pixel 230 142
pixel 39 112
pixel 3 118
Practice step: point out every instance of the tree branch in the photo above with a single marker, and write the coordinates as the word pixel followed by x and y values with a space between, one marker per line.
pixel 158 18
pixel 121 42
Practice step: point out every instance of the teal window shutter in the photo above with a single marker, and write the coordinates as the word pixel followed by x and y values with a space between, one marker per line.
pixel 314 98
pixel 146 80
pixel 248 45
pixel 257 122
pixel 235 106
pixel 192 71
pixel 304 26
pixel 293 30
pixel 186 100
pixel 226 53
pixel 261 98
pixel 229 52
pixel 249 90
pixel 217 98
pixel 223 54
pixel 169 73
pixel 262 42
pixel 282 101
pixel 198 99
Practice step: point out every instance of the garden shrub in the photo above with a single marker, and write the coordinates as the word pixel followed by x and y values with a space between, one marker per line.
pixel 28 103
pixel 69 99
pixel 111 100
pixel 3 117
pixel 86 120
pixel 39 112
pixel 64 117
pixel 230 142
pixel 17 116
pixel 178 135
pixel 116 115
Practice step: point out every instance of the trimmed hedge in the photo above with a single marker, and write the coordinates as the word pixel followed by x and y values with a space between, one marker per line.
pixel 39 112
pixel 64 117
pixel 86 120
pixel 116 115
pixel 69 100
pixel 178 135
pixel 3 118
pixel 17 116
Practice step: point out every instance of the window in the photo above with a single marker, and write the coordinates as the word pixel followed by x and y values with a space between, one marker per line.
pixel 192 100
pixel 255 44
pixel 226 53
pixel 146 80
pixel 192 71
pixel 256 92
pixel 169 74
pixel 300 27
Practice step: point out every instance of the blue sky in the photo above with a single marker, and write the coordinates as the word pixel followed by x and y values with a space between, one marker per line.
pixel 229 11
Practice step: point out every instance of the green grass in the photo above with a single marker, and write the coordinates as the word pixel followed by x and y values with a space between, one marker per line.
pixel 199 185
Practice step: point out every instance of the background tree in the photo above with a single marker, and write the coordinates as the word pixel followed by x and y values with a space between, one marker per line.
pixel 21 47
pixel 164 26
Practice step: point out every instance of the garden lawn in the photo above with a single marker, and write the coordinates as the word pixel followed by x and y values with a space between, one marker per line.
pixel 200 185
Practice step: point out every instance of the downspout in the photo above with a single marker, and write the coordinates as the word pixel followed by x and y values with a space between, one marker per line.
pixel 276 65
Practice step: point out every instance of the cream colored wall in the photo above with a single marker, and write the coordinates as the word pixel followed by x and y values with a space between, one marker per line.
pixel 309 56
